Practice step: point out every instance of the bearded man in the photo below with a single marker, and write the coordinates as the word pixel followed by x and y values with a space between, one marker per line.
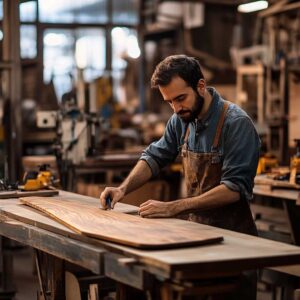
pixel 220 150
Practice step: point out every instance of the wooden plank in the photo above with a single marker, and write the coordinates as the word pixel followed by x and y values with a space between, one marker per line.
pixel 18 194
pixel 31 216
pixel 266 190
pixel 274 184
pixel 36 218
pixel 118 227
pixel 293 270
pixel 82 254
pixel 280 9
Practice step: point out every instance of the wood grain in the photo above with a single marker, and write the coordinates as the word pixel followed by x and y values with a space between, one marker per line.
pixel 121 228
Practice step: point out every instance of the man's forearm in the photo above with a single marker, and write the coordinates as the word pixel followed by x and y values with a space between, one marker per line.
pixel 216 197
pixel 139 175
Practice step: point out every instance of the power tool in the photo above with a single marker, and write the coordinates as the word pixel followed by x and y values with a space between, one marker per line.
pixel 34 181
pixel 266 163
pixel 295 165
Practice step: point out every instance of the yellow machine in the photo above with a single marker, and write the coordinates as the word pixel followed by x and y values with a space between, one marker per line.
pixel 295 164
pixel 34 181
pixel 266 163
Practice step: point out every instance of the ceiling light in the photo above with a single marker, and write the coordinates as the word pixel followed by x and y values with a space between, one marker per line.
pixel 252 6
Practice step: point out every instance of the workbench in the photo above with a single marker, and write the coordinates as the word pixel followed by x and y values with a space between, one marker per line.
pixel 197 270
pixel 110 164
pixel 287 277
pixel 291 203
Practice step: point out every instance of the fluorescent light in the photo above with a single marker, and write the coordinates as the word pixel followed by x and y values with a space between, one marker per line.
pixel 252 6
pixel 133 49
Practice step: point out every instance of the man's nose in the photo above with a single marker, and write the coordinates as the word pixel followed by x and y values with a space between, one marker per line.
pixel 176 107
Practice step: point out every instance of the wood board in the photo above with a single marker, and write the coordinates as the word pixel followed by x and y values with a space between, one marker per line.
pixel 121 228
pixel 18 193
pixel 275 184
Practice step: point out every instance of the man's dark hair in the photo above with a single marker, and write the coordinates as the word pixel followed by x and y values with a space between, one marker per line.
pixel 187 68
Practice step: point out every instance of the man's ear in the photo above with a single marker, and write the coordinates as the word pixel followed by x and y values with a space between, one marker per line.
pixel 201 86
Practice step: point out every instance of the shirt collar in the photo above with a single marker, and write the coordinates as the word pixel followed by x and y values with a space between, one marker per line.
pixel 212 107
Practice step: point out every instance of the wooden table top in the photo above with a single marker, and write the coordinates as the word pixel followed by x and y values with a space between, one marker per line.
pixel 266 190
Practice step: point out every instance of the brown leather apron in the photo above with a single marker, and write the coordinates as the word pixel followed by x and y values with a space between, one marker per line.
pixel 202 172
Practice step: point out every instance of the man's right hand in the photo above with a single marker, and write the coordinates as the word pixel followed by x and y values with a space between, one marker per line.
pixel 116 194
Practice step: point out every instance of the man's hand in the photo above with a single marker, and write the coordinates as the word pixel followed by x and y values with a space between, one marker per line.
pixel 157 209
pixel 116 194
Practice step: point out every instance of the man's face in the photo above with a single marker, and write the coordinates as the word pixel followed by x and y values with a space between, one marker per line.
pixel 184 100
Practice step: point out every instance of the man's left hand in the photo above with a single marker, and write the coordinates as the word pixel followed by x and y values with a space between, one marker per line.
pixel 157 209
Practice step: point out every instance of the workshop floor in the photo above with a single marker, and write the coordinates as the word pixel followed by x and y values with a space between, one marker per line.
pixel 26 280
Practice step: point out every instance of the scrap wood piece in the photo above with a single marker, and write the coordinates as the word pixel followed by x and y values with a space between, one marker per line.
pixel 123 228
pixel 273 183
pixel 19 193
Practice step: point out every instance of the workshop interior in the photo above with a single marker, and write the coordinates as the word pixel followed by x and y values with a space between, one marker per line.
pixel 77 111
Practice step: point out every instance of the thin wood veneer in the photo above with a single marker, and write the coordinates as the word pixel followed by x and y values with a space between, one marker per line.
pixel 122 228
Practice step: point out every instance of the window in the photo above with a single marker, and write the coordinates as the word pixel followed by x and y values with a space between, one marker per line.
pixel 28 41
pixel 125 12
pixel 125 50
pixel 67 49
pixel 73 11
pixel 1 9
pixel 28 11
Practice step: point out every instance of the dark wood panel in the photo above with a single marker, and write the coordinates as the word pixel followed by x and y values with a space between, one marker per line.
pixel 18 194
pixel 121 228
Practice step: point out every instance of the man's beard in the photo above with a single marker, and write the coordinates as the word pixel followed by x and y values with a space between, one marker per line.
pixel 191 114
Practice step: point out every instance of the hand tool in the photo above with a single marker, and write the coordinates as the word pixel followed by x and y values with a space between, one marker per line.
pixel 108 202
pixel 34 181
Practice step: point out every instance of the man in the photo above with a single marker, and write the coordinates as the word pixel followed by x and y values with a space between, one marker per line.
pixel 219 147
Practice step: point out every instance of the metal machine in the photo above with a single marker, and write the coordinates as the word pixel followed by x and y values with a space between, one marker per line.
pixel 77 124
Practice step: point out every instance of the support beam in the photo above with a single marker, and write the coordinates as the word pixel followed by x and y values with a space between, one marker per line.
pixel 11 87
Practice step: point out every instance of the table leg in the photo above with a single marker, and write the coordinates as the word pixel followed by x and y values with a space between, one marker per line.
pixel 293 212
pixel 51 273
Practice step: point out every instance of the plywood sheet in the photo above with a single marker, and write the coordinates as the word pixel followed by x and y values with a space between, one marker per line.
pixel 121 228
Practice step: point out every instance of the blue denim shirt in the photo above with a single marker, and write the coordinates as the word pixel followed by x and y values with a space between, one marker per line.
pixel 239 144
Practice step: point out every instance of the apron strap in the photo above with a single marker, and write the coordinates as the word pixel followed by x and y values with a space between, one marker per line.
pixel 220 125
pixel 187 133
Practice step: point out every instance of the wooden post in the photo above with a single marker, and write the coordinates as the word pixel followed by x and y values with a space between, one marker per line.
pixel 51 273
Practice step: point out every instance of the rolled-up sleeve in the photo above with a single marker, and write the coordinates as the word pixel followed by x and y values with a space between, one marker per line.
pixel 241 154
pixel 164 151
